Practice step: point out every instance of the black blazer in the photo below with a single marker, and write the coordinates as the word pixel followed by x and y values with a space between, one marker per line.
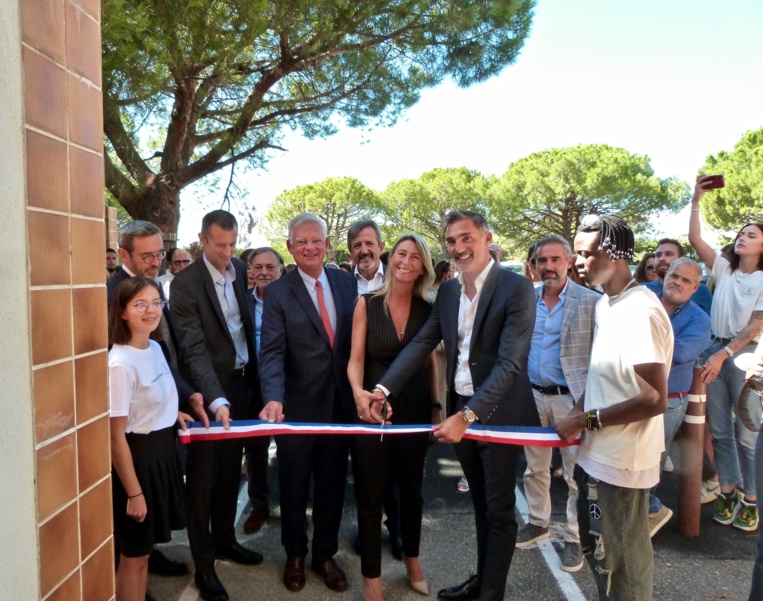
pixel 297 365
pixel 206 352
pixel 498 353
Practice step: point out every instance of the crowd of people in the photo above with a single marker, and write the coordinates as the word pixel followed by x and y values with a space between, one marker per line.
pixel 576 343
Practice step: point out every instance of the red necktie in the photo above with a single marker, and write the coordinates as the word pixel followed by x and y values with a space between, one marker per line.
pixel 324 313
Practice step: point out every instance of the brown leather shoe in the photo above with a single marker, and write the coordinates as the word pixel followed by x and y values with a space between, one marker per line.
pixel 255 520
pixel 294 574
pixel 333 576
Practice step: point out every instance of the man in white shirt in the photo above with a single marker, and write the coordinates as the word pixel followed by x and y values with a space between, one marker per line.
pixel 364 239
pixel 485 319
pixel 177 260
pixel 620 416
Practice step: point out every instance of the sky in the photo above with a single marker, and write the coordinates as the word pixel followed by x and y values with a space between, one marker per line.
pixel 676 80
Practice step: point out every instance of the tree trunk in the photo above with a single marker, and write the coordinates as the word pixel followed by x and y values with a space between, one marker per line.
pixel 159 204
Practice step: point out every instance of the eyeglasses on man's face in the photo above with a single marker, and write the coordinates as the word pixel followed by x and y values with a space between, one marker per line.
pixel 150 257
pixel 180 262
pixel 142 306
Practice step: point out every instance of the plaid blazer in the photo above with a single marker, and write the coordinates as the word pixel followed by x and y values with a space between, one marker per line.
pixel 578 321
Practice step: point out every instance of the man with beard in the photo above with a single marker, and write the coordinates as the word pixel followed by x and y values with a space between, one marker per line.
pixel 364 240
pixel 265 266
pixel 668 250
pixel 112 263
pixel 620 415
pixel 691 334
pixel 558 365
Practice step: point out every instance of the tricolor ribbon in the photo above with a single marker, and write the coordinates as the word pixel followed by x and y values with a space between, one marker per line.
pixel 519 435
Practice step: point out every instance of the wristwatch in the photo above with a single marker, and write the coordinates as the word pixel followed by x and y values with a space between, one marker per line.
pixel 469 416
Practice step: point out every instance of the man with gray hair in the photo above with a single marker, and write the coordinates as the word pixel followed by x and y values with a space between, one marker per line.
pixel 141 249
pixel 691 336
pixel 558 364
pixel 304 352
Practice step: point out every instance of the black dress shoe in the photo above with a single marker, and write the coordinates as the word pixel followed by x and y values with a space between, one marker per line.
pixel 240 554
pixel 210 587
pixel 161 565
pixel 463 592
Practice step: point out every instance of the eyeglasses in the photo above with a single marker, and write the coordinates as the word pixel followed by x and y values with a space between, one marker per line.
pixel 180 262
pixel 148 257
pixel 142 306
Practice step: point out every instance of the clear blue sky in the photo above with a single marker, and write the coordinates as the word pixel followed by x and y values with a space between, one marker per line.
pixel 676 80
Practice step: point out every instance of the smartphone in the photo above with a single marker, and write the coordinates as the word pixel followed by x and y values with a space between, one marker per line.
pixel 713 182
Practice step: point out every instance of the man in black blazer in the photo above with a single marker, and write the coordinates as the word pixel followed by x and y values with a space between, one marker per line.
pixel 304 351
pixel 485 318
pixel 213 325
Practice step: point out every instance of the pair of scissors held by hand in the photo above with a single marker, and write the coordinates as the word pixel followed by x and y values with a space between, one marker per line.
pixel 384 419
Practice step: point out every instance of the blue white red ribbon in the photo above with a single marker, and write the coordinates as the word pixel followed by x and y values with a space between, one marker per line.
pixel 518 435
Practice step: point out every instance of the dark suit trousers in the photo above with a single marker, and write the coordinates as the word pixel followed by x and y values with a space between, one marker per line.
pixel 257 460
pixel 213 474
pixel 322 459
pixel 398 458
pixel 491 471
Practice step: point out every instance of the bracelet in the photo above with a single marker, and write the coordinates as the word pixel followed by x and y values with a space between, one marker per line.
pixel 437 405
pixel 598 419
pixel 729 351
pixel 135 496
pixel 592 420
pixel 693 210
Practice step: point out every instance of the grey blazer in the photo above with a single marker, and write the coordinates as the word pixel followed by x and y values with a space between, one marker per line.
pixel 578 321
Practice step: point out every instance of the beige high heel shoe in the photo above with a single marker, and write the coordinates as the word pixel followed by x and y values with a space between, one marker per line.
pixel 420 586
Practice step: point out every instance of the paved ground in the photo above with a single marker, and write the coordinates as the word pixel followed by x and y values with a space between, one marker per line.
pixel 716 566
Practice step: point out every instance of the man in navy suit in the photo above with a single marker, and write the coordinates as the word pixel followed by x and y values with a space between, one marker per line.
pixel 212 318
pixel 304 351
pixel 485 318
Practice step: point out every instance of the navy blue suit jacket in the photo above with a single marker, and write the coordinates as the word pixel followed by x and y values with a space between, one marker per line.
pixel 298 367
pixel 500 345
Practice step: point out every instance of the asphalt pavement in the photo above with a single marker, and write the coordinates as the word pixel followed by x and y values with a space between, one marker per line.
pixel 715 566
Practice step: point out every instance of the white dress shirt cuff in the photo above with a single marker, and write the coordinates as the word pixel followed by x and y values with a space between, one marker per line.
pixel 383 389
pixel 216 404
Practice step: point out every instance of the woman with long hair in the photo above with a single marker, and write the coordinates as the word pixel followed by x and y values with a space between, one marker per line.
pixel 147 483
pixel 737 318
pixel 646 270
pixel 384 322
pixel 443 271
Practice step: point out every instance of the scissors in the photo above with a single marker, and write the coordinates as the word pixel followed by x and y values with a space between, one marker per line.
pixel 384 418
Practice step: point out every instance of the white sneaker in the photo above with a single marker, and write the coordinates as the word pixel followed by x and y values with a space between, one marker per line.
pixel 709 491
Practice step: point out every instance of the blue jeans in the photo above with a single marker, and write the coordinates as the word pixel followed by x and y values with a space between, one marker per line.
pixel 733 444
pixel 614 534
pixel 756 591
pixel 673 418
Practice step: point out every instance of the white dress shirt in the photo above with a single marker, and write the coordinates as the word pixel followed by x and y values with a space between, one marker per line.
pixel 372 285
pixel 328 297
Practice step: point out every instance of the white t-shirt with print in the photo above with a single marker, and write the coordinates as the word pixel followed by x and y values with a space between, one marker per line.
pixel 141 388
pixel 632 328
pixel 735 297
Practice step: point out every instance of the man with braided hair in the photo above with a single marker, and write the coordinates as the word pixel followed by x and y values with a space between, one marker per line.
pixel 620 413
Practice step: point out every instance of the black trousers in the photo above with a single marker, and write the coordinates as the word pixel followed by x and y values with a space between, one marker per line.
pixel 213 474
pixel 375 463
pixel 491 471
pixel 322 460
pixel 256 451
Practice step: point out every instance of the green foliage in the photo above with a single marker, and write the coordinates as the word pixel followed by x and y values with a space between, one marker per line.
pixel 550 192
pixel 420 205
pixel 741 201
pixel 338 201
pixel 193 86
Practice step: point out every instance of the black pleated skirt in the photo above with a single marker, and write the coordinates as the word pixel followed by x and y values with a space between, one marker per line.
pixel 158 470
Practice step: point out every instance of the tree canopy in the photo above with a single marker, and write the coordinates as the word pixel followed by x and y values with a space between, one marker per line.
pixel 191 87
pixel 741 201
pixel 338 201
pixel 549 192
pixel 420 205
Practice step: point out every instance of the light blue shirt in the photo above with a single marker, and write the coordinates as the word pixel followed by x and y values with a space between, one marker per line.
pixel 227 297
pixel 544 364
pixel 328 297
pixel 259 305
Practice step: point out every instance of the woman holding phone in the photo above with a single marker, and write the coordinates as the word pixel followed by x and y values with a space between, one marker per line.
pixel 147 483
pixel 384 322
pixel 737 319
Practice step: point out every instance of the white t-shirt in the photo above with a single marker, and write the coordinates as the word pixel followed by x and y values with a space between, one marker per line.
pixel 631 329
pixel 141 387
pixel 735 297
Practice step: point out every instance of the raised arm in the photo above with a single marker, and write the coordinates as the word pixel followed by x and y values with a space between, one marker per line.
pixel 704 250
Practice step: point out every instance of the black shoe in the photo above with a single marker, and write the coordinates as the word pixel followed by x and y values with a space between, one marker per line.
pixel 463 592
pixel 210 587
pixel 240 554
pixel 161 565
